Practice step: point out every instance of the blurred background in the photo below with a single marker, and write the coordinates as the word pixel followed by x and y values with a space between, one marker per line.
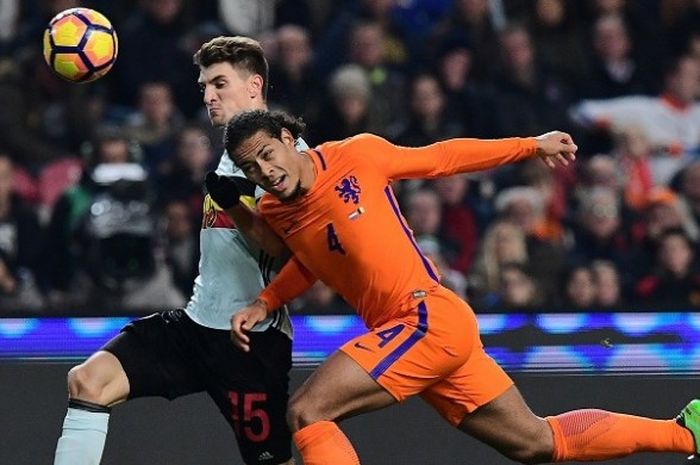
pixel 617 230
pixel 588 270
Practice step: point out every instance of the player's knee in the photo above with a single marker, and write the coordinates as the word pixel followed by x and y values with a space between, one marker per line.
pixel 83 385
pixel 301 413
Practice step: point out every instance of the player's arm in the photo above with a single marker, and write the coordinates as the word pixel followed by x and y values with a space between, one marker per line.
pixel 227 193
pixel 460 155
pixel 255 228
pixel 293 280
pixel 607 113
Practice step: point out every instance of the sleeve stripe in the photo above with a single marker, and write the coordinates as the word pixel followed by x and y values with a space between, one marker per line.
pixel 320 158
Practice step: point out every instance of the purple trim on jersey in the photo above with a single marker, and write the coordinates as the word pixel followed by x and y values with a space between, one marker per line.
pixel 321 159
pixel 394 206
pixel 416 336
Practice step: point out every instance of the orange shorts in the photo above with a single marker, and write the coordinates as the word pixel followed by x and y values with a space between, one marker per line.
pixel 434 351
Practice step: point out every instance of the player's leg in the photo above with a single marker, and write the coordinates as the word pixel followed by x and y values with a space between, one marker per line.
pixel 480 400
pixel 507 424
pixel 148 358
pixel 386 365
pixel 93 387
pixel 251 391
pixel 339 388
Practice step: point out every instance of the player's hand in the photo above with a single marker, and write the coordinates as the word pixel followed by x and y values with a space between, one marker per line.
pixel 556 147
pixel 222 189
pixel 244 320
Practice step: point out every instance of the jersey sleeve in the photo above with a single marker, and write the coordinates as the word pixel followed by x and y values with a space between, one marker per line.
pixel 608 112
pixel 292 281
pixel 441 158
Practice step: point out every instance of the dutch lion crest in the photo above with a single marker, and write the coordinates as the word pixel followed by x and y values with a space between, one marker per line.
pixel 349 189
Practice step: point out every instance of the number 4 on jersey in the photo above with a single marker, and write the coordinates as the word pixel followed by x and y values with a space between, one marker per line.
pixel 334 244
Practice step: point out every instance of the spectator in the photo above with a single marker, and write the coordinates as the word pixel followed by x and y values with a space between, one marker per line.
pixel 181 244
pixel 607 283
pixel 46 117
pixel 601 171
pixel 471 20
pixel 18 290
pixel 670 121
pixel 690 193
pixel 332 48
pixel 185 178
pixel 636 165
pixel 642 21
pixel 552 187
pixel 557 36
pixel 155 125
pixel 348 110
pixel 151 50
pixel 540 97
pixel 21 236
pixel 676 281
pixel 9 24
pixel 681 19
pixel 64 248
pixel 616 71
pixel 367 49
pixel 424 213
pixel 502 243
pixel 449 277
pixel 517 289
pixel 458 231
pixel 295 85
pixel 662 212
pixel 524 206
pixel 247 18
pixel 465 100
pixel 428 120
pixel 598 231
pixel 579 288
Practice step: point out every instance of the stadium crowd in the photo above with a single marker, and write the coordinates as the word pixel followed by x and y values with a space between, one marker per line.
pixel 101 185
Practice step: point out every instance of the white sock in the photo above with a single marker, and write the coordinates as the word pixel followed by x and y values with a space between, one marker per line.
pixel 84 434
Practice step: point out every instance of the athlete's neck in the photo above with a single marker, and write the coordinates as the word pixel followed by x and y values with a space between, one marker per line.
pixel 307 176
pixel 307 172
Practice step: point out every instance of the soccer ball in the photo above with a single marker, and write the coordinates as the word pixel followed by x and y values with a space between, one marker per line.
pixel 80 45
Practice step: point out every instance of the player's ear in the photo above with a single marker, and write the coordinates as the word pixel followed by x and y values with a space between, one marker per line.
pixel 287 138
pixel 255 86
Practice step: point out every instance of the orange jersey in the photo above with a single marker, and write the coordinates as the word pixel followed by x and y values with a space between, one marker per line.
pixel 347 230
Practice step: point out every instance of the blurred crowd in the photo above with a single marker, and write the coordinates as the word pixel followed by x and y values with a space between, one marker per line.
pixel 101 184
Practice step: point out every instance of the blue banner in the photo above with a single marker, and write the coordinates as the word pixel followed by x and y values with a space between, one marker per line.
pixel 595 343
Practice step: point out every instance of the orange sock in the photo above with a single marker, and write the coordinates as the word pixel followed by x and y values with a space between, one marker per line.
pixel 322 443
pixel 587 435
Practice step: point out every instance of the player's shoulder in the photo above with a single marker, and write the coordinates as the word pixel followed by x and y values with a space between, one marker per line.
pixel 357 144
pixel 268 202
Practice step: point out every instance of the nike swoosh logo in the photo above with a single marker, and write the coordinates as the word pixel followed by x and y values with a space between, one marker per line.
pixel 360 345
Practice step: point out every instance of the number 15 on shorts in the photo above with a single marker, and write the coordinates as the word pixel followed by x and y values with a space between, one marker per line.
pixel 249 417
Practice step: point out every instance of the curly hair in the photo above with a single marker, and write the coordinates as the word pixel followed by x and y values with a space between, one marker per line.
pixel 245 124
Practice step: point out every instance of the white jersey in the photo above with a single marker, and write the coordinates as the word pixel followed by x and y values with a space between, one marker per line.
pixel 232 272
pixel 667 127
pixel 664 124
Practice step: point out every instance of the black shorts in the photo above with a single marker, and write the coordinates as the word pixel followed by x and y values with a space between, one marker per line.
pixel 168 355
